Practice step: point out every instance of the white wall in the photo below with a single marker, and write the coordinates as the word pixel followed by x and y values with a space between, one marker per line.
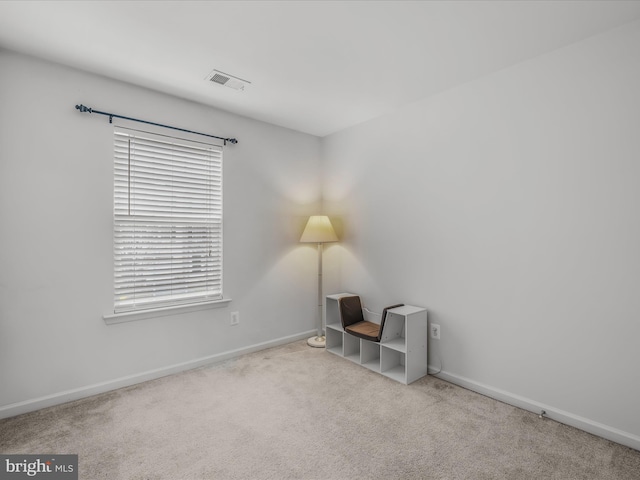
pixel 56 203
pixel 510 208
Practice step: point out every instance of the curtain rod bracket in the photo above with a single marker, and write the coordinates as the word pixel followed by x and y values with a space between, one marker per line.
pixel 84 109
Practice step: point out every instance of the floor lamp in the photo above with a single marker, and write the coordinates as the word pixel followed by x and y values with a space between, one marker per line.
pixel 318 230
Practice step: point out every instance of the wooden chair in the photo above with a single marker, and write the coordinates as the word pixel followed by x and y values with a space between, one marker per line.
pixel 354 323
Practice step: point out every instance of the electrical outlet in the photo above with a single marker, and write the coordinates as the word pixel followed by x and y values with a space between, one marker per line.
pixel 235 318
pixel 435 331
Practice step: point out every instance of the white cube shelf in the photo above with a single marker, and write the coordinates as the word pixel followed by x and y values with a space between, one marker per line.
pixel 401 354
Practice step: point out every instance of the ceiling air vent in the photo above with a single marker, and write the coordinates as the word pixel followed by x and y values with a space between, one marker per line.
pixel 221 78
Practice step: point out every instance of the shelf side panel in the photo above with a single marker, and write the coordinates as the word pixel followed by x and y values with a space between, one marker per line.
pixel 393 327
pixel 416 342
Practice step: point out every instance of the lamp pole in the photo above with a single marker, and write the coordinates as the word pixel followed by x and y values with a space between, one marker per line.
pixel 319 340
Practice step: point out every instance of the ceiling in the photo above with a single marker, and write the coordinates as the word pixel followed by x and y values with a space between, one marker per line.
pixel 314 66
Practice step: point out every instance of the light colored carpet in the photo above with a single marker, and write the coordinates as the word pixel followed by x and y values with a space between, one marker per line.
pixel 294 412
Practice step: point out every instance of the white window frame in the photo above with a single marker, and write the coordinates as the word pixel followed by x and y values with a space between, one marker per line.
pixel 179 213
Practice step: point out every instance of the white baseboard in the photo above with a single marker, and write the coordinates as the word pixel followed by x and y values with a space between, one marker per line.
pixel 26 406
pixel 585 424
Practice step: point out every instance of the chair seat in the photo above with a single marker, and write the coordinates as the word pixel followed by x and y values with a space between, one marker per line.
pixel 353 320
pixel 367 330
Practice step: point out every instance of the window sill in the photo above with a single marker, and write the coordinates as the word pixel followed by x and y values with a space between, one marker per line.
pixel 113 318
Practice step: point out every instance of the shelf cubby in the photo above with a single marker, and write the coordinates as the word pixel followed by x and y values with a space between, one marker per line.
pixel 370 355
pixel 351 348
pixel 333 341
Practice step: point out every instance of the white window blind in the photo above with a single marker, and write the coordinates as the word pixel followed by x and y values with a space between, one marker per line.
pixel 167 221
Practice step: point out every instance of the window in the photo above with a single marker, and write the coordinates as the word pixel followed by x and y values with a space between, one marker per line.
pixel 167 221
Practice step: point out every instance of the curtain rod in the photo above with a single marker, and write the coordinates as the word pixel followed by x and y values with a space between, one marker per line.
pixel 82 108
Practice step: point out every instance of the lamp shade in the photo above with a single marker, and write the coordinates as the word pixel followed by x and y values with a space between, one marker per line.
pixel 318 230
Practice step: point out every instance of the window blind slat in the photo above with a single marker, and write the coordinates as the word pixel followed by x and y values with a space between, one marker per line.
pixel 167 221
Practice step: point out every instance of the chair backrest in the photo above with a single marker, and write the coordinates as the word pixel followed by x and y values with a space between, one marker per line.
pixel 384 317
pixel 350 310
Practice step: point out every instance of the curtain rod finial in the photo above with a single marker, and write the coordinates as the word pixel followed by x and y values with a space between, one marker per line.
pixel 82 108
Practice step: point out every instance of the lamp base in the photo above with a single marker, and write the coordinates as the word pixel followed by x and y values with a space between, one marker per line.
pixel 317 342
